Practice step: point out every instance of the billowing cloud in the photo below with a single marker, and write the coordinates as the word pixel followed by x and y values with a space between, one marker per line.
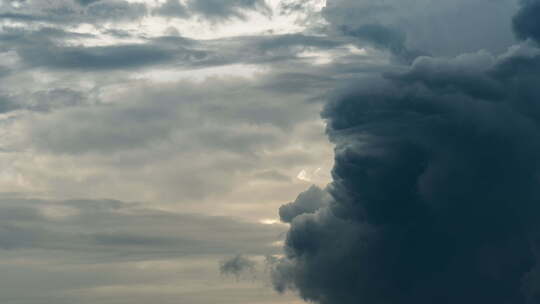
pixel 526 24
pixel 435 186
pixel 307 202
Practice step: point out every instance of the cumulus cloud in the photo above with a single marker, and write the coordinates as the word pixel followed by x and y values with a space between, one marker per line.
pixel 435 186
pixel 307 202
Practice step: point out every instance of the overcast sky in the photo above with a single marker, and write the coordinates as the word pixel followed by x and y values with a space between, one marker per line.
pixel 146 146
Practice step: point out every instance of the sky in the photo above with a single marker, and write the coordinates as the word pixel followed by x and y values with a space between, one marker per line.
pixel 269 151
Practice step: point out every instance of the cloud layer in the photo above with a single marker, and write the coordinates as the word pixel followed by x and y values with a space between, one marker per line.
pixel 207 114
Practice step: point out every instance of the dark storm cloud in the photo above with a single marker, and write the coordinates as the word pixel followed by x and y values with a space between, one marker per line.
pixel 307 202
pixel 435 191
pixel 384 37
pixel 526 22
pixel 434 27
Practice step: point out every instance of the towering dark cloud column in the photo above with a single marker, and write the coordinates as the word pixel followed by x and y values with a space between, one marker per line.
pixel 436 186
pixel 526 22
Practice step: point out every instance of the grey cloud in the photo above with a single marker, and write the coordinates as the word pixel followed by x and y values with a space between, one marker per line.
pixel 291 82
pixel 17 238
pixel 58 98
pixel 129 240
pixel 237 266
pixel 46 48
pixel 272 49
pixel 468 72
pixel 172 8
pixel 213 10
pixel 113 10
pixel 159 114
pixel 99 58
pixel 264 50
pixel 273 175
pixel 380 35
pixel 8 104
pixel 288 41
pixel 113 228
pixel 95 11
pixel 427 25
pixel 383 37
pixel 22 17
pixel 89 251
pixel 526 24
pixel 86 2
pixel 43 36
pixel 288 7
pixel 69 12
pixel 307 202
pixel 220 9
pixel 228 132
pixel 186 142
pixel 435 187
pixel 522 61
